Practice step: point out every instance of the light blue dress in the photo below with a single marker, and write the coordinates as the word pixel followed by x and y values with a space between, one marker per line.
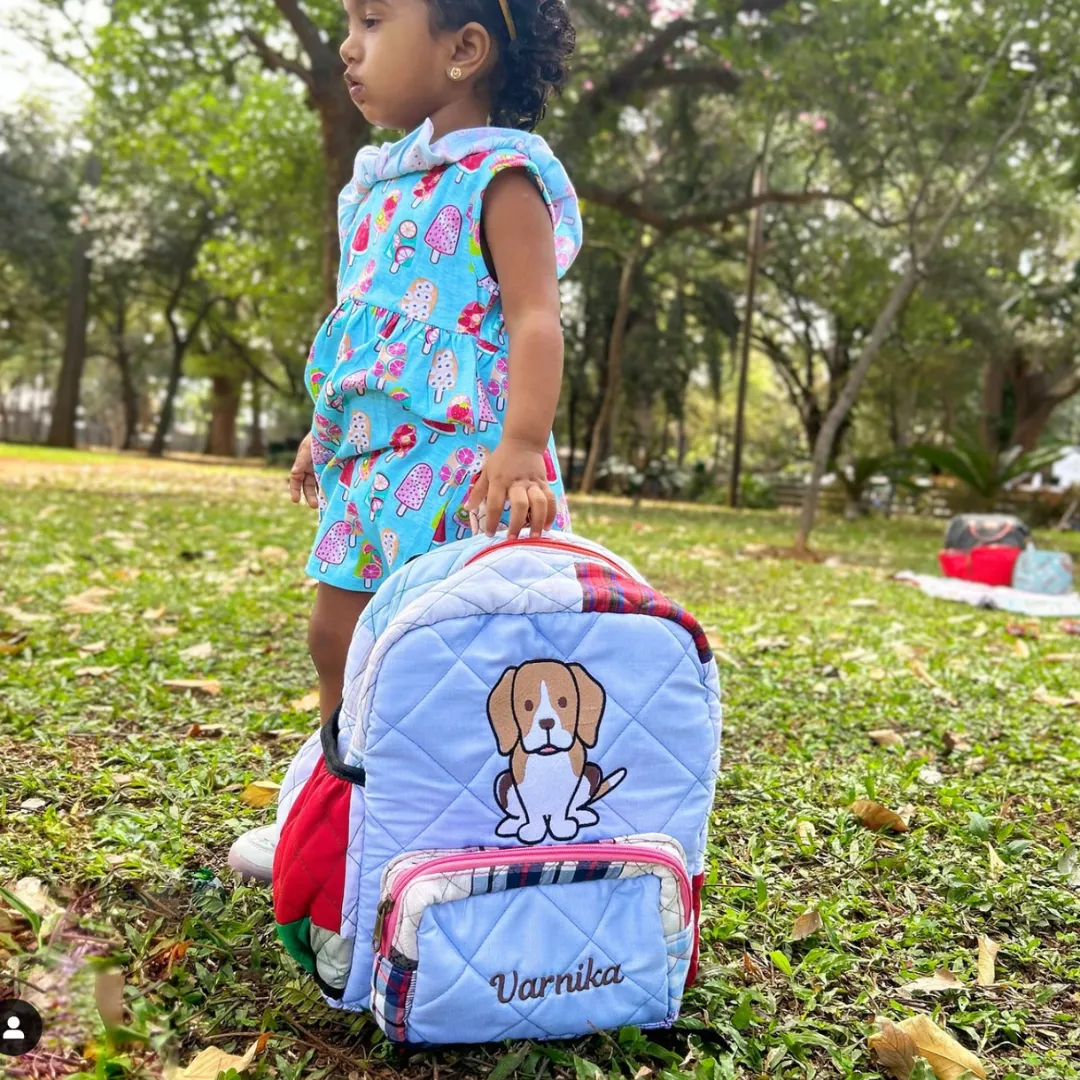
pixel 409 372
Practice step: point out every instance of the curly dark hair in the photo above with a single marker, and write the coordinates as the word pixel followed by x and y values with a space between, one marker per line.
pixel 532 67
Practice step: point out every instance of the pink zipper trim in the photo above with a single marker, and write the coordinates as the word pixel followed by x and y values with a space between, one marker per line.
pixel 475 860
pixel 556 545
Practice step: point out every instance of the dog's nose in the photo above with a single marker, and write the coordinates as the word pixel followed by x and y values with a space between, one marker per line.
pixel 547 725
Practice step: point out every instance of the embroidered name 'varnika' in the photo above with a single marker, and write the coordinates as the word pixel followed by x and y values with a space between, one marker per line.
pixel 588 977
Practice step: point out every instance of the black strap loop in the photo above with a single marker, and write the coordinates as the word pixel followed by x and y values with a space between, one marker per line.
pixel 355 774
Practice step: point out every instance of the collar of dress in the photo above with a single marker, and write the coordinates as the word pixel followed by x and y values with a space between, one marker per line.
pixel 416 153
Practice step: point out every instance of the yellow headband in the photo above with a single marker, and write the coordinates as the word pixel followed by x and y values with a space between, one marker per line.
pixel 505 5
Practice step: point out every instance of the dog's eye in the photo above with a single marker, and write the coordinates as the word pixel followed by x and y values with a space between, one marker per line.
pixel 562 703
pixel 528 706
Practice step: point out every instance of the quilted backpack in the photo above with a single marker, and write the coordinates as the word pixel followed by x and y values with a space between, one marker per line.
pixel 501 832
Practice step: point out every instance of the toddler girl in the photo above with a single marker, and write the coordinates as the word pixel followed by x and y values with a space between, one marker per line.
pixel 436 378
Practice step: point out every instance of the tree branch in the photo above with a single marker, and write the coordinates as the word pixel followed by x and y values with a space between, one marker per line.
pixel 306 31
pixel 718 77
pixel 275 61
pixel 706 219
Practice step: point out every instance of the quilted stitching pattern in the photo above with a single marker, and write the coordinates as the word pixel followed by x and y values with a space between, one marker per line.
pixel 435 637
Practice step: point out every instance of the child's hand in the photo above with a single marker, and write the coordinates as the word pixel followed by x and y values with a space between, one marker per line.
pixel 302 476
pixel 515 472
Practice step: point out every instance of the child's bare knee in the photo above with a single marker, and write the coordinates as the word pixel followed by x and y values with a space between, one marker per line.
pixel 325 642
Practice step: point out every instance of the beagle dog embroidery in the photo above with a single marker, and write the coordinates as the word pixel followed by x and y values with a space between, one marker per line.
pixel 546 716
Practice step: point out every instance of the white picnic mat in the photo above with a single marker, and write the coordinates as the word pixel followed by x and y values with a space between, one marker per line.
pixel 994 597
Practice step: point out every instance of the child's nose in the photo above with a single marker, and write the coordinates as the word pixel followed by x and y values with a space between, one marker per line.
pixel 350 50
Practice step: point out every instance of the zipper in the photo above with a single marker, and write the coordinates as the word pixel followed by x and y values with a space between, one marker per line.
pixel 386 921
pixel 555 545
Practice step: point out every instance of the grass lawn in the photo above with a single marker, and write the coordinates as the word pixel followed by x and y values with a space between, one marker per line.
pixel 125 814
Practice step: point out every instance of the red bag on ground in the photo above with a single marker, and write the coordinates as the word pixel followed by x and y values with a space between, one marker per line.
pixel 990 565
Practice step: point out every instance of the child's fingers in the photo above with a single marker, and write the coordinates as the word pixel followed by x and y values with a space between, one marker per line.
pixel 538 510
pixel 496 503
pixel 311 491
pixel 296 484
pixel 519 509
pixel 477 493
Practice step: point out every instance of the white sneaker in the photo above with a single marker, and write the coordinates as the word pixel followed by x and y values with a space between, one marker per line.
pixel 252 854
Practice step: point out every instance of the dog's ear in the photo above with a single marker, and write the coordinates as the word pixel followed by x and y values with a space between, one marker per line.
pixel 500 710
pixel 591 701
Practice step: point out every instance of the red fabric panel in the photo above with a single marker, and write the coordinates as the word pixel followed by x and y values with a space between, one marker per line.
pixel 309 864
pixel 696 884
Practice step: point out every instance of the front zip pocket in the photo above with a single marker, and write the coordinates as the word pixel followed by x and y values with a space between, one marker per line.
pixel 483 944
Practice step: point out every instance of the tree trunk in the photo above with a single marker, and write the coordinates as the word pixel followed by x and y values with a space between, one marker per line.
pixel 165 417
pixel 66 399
pixel 753 256
pixel 128 394
pixel 900 295
pixel 344 131
pixel 613 379
pixel 224 405
pixel 256 444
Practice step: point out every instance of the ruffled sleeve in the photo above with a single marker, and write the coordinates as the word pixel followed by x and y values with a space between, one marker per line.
pixel 533 156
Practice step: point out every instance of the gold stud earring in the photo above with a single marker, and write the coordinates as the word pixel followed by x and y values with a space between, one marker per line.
pixel 455 74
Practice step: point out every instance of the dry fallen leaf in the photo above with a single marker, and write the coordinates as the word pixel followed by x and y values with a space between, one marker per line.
pixel 93 648
pixel 12 642
pixel 988 950
pixel 204 731
pixel 21 616
pixel 31 892
pixel 152 614
pixel 109 997
pixel 997 867
pixel 955 741
pixel 259 793
pixel 929 775
pixel 1021 649
pixel 164 631
pixel 918 669
pixel 33 804
pixel 877 817
pixel 947 1057
pixel 1029 630
pixel 863 602
pixel 809 922
pixel 886 737
pixel 94 672
pixel 306 703
pixel 1043 697
pixel 895 1049
pixel 980 630
pixel 198 652
pixel 906 813
pixel 805 831
pixel 942 979
pixel 751 968
pixel 1062 658
pixel 274 554
pixel 88 602
pixel 208 1063
pixel 201 686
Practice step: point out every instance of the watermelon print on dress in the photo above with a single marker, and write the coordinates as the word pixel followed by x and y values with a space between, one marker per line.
pixel 503 831
pixel 418 334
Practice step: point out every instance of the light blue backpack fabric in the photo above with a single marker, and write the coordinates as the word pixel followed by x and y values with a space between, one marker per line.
pixel 503 832
pixel 1047 572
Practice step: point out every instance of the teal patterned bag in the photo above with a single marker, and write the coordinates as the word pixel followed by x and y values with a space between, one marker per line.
pixel 1046 572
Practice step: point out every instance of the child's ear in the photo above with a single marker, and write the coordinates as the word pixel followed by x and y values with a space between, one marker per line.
pixel 472 51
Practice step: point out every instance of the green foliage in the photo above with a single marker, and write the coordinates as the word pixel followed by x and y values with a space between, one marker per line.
pixel 983 472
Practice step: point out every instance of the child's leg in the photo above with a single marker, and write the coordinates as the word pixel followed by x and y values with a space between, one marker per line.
pixel 329 633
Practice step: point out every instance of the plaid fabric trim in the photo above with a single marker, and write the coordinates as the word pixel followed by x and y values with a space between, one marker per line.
pixel 391 997
pixel 603 589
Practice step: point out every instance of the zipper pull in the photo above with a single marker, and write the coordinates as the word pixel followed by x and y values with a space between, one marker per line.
pixel 386 905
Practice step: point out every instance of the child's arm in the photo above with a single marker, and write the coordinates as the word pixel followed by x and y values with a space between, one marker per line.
pixel 517 228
